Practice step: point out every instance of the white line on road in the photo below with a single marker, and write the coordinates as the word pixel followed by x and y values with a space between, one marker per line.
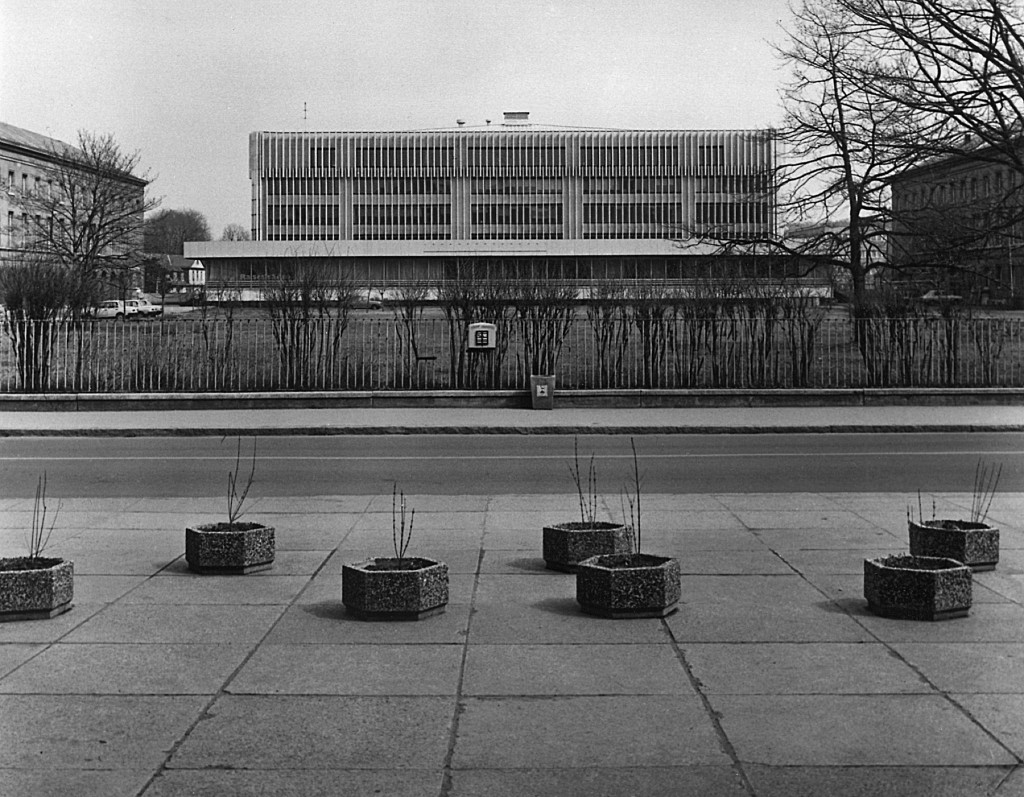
pixel 335 458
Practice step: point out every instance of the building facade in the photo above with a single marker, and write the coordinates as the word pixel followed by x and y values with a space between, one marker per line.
pixel 25 162
pixel 38 173
pixel 569 204
pixel 958 227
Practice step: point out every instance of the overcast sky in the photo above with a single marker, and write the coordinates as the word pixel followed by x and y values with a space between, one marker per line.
pixel 184 82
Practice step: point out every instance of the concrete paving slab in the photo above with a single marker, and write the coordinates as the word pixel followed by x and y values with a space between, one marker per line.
pixel 1013 786
pixel 89 669
pixel 867 781
pixel 319 733
pixel 286 563
pixel 180 588
pixel 815 519
pixel 708 538
pixel 804 668
pixel 692 561
pixel 583 732
pixel 574 670
pixel 989 622
pixel 311 669
pixel 184 623
pixel 692 781
pixel 832 562
pixel 49 630
pixel 295 783
pixel 521 561
pixel 327 623
pixel 101 732
pixel 554 621
pixel 773 502
pixel 79 782
pixel 104 589
pixel 855 730
pixel 782 539
pixel 686 519
pixel 996 667
pixel 848 591
pixel 759 609
pixel 1000 715
pixel 1008 585
pixel 130 562
pixel 14 654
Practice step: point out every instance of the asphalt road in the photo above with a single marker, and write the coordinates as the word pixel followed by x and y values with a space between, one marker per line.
pixel 499 464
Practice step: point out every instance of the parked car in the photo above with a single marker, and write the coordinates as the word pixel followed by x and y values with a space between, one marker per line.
pixel 111 308
pixel 937 297
pixel 143 307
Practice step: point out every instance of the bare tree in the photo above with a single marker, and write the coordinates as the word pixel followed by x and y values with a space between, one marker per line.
pixel 475 290
pixel 955 71
pixel 88 217
pixel 34 291
pixel 235 232
pixel 309 312
pixel 954 68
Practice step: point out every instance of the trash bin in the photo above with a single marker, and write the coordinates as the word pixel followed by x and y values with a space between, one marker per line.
pixel 542 392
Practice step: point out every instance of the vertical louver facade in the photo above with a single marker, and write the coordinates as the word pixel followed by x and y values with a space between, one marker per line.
pixel 499 183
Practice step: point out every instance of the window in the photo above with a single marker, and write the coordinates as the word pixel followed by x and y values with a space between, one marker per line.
pixel 10 180
pixel 24 183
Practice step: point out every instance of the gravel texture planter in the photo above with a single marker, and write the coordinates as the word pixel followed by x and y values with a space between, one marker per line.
pixel 237 549
pixel 567 544
pixel 35 589
pixel 622 586
pixel 395 589
pixel 974 544
pixel 917 587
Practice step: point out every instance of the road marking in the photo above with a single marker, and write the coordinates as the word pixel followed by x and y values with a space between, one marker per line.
pixel 456 458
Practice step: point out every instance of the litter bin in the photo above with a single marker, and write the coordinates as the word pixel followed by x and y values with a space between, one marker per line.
pixel 542 392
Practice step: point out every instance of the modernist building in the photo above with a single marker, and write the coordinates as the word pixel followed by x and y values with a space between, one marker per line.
pixel 958 225
pixel 567 203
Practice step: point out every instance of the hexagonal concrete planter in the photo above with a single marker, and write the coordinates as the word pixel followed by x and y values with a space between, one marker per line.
pixel 395 589
pixel 565 545
pixel 35 589
pixel 917 587
pixel 622 586
pixel 974 544
pixel 222 549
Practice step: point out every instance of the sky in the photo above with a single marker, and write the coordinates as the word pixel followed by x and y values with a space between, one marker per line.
pixel 184 82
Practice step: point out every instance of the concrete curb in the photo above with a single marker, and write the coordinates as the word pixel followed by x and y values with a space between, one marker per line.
pixel 517 399
pixel 624 429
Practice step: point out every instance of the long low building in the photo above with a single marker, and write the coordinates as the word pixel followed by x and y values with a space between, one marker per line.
pixel 570 204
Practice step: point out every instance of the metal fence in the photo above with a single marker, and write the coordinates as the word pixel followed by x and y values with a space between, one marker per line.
pixel 586 352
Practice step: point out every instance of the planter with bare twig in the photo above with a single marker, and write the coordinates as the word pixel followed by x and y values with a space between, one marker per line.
pixel 36 587
pixel 565 545
pixel 974 541
pixel 395 588
pixel 234 547
pixel 629 585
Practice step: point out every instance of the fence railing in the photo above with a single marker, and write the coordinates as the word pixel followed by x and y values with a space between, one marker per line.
pixel 587 352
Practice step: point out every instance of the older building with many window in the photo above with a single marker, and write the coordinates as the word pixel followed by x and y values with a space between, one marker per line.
pixel 958 227
pixel 569 204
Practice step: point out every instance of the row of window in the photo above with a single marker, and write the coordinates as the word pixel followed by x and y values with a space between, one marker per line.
pixel 404 215
pixel 633 213
pixel 514 186
pixel 278 215
pixel 549 213
pixel 992 185
pixel 37 184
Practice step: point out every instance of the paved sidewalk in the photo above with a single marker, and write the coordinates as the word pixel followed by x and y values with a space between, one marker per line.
pixel 771 679
pixel 511 421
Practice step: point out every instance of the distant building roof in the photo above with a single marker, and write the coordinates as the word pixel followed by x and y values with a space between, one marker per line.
pixel 9 134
